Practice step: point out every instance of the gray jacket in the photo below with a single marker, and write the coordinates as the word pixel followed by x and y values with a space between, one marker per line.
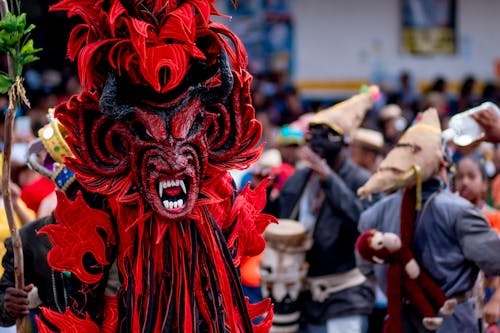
pixel 452 241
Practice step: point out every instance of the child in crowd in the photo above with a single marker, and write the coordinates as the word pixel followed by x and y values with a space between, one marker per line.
pixel 471 182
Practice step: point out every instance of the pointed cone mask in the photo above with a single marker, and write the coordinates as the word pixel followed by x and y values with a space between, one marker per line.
pixel 346 116
pixel 418 152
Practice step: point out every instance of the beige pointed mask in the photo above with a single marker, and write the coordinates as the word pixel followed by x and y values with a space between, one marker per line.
pixel 418 154
pixel 346 116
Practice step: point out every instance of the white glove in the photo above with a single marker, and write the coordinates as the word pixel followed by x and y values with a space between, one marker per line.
pixel 34 300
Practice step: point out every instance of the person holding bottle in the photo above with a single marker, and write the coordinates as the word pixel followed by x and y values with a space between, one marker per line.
pixel 464 130
pixel 489 120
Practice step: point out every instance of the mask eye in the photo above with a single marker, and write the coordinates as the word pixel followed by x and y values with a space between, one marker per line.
pixel 140 131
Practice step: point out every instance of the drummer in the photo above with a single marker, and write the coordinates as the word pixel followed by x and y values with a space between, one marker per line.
pixel 323 198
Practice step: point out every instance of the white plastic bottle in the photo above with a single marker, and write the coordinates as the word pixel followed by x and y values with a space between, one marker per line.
pixel 463 130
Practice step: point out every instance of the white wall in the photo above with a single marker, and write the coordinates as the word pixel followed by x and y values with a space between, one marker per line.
pixel 353 39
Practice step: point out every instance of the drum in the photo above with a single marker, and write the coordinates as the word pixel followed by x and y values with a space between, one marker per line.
pixel 283 270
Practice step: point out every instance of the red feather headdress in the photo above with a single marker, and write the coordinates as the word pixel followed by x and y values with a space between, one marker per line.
pixel 150 41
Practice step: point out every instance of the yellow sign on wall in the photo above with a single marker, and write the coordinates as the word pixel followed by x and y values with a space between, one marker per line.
pixel 428 26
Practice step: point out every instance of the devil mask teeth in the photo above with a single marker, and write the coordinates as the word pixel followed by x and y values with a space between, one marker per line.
pixel 173 194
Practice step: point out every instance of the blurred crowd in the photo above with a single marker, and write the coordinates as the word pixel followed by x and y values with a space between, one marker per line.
pixel 474 171
pixel 278 102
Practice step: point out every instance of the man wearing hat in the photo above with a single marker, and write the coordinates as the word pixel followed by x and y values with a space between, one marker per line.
pixel 448 236
pixel 322 197
pixel 366 148
pixel 288 142
pixel 44 286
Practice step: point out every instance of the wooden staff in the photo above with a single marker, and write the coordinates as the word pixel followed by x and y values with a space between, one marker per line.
pixel 6 193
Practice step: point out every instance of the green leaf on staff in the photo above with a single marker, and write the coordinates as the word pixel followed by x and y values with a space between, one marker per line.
pixel 27 53
pixel 5 83
pixel 14 34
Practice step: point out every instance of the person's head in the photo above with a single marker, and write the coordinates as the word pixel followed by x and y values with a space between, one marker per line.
pixel 468 86
pixel 439 85
pixel 417 157
pixel 404 79
pixel 366 148
pixel 288 141
pixel 262 169
pixel 437 100
pixel 392 122
pixel 326 142
pixel 470 180
pixel 331 128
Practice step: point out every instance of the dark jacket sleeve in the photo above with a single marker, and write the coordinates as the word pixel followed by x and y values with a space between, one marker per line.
pixel 340 196
pixel 7 280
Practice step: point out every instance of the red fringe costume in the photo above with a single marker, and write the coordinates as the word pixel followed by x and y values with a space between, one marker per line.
pixel 164 113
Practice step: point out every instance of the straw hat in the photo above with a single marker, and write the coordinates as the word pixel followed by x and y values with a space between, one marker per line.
pixel 368 138
pixel 418 154
pixel 269 159
pixel 289 136
pixel 390 111
pixel 347 116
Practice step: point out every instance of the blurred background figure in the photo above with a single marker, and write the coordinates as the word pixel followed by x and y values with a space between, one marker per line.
pixel 270 166
pixel 288 141
pixel 471 182
pixel 43 285
pixel 392 123
pixel 366 148
pixel 22 214
pixel 468 96
pixel 406 94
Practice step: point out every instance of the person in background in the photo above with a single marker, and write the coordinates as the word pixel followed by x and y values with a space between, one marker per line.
pixel 490 123
pixel 366 148
pixel 405 94
pixel 495 182
pixel 22 214
pixel 322 197
pixel 44 286
pixel 392 123
pixel 471 182
pixel 467 97
pixel 34 187
pixel 490 92
pixel 288 142
pixel 449 237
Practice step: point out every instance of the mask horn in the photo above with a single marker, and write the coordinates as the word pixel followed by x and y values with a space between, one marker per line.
pixel 108 101
pixel 222 91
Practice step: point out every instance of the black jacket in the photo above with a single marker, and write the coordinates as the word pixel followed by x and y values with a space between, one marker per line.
pixel 334 236
pixel 50 284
